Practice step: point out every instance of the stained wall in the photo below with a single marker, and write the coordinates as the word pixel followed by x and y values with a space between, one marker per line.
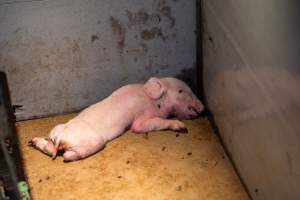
pixel 61 56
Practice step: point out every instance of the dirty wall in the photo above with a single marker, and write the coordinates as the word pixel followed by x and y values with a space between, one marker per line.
pixel 252 84
pixel 61 56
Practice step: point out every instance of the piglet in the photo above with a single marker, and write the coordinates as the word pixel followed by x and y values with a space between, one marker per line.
pixel 138 107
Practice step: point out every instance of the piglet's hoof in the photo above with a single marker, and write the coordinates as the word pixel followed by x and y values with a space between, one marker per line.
pixel 182 130
pixel 30 143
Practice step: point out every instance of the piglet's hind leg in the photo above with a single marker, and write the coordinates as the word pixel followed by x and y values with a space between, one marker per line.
pixel 70 155
pixel 80 152
pixel 45 145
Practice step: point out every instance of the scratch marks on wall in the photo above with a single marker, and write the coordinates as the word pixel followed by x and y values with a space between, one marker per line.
pixel 119 31
pixel 166 11
pixel 94 38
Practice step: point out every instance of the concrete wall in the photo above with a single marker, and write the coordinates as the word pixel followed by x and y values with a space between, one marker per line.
pixel 61 56
pixel 252 86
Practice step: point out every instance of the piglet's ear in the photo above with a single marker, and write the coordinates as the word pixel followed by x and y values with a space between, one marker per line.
pixel 154 88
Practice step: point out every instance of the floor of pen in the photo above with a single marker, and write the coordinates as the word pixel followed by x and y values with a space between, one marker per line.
pixel 158 165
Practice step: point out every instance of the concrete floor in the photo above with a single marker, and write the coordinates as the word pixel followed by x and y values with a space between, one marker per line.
pixel 159 165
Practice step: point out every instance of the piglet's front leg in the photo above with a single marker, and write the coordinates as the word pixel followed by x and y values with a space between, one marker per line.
pixel 143 125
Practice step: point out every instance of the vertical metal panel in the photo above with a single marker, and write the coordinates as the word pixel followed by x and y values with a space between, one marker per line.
pixel 61 56
pixel 252 85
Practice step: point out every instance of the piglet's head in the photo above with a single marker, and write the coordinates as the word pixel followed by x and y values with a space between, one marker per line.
pixel 174 97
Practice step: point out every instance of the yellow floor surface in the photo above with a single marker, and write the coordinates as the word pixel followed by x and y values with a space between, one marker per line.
pixel 161 165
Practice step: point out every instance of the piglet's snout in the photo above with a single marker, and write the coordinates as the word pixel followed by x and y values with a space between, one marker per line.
pixel 200 107
pixel 197 108
pixel 193 109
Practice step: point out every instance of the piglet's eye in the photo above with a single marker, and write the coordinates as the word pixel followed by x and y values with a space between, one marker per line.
pixel 180 91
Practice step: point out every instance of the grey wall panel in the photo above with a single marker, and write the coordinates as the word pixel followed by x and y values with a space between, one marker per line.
pixel 252 86
pixel 61 56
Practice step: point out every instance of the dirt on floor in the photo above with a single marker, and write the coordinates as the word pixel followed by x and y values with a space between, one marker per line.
pixel 162 165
